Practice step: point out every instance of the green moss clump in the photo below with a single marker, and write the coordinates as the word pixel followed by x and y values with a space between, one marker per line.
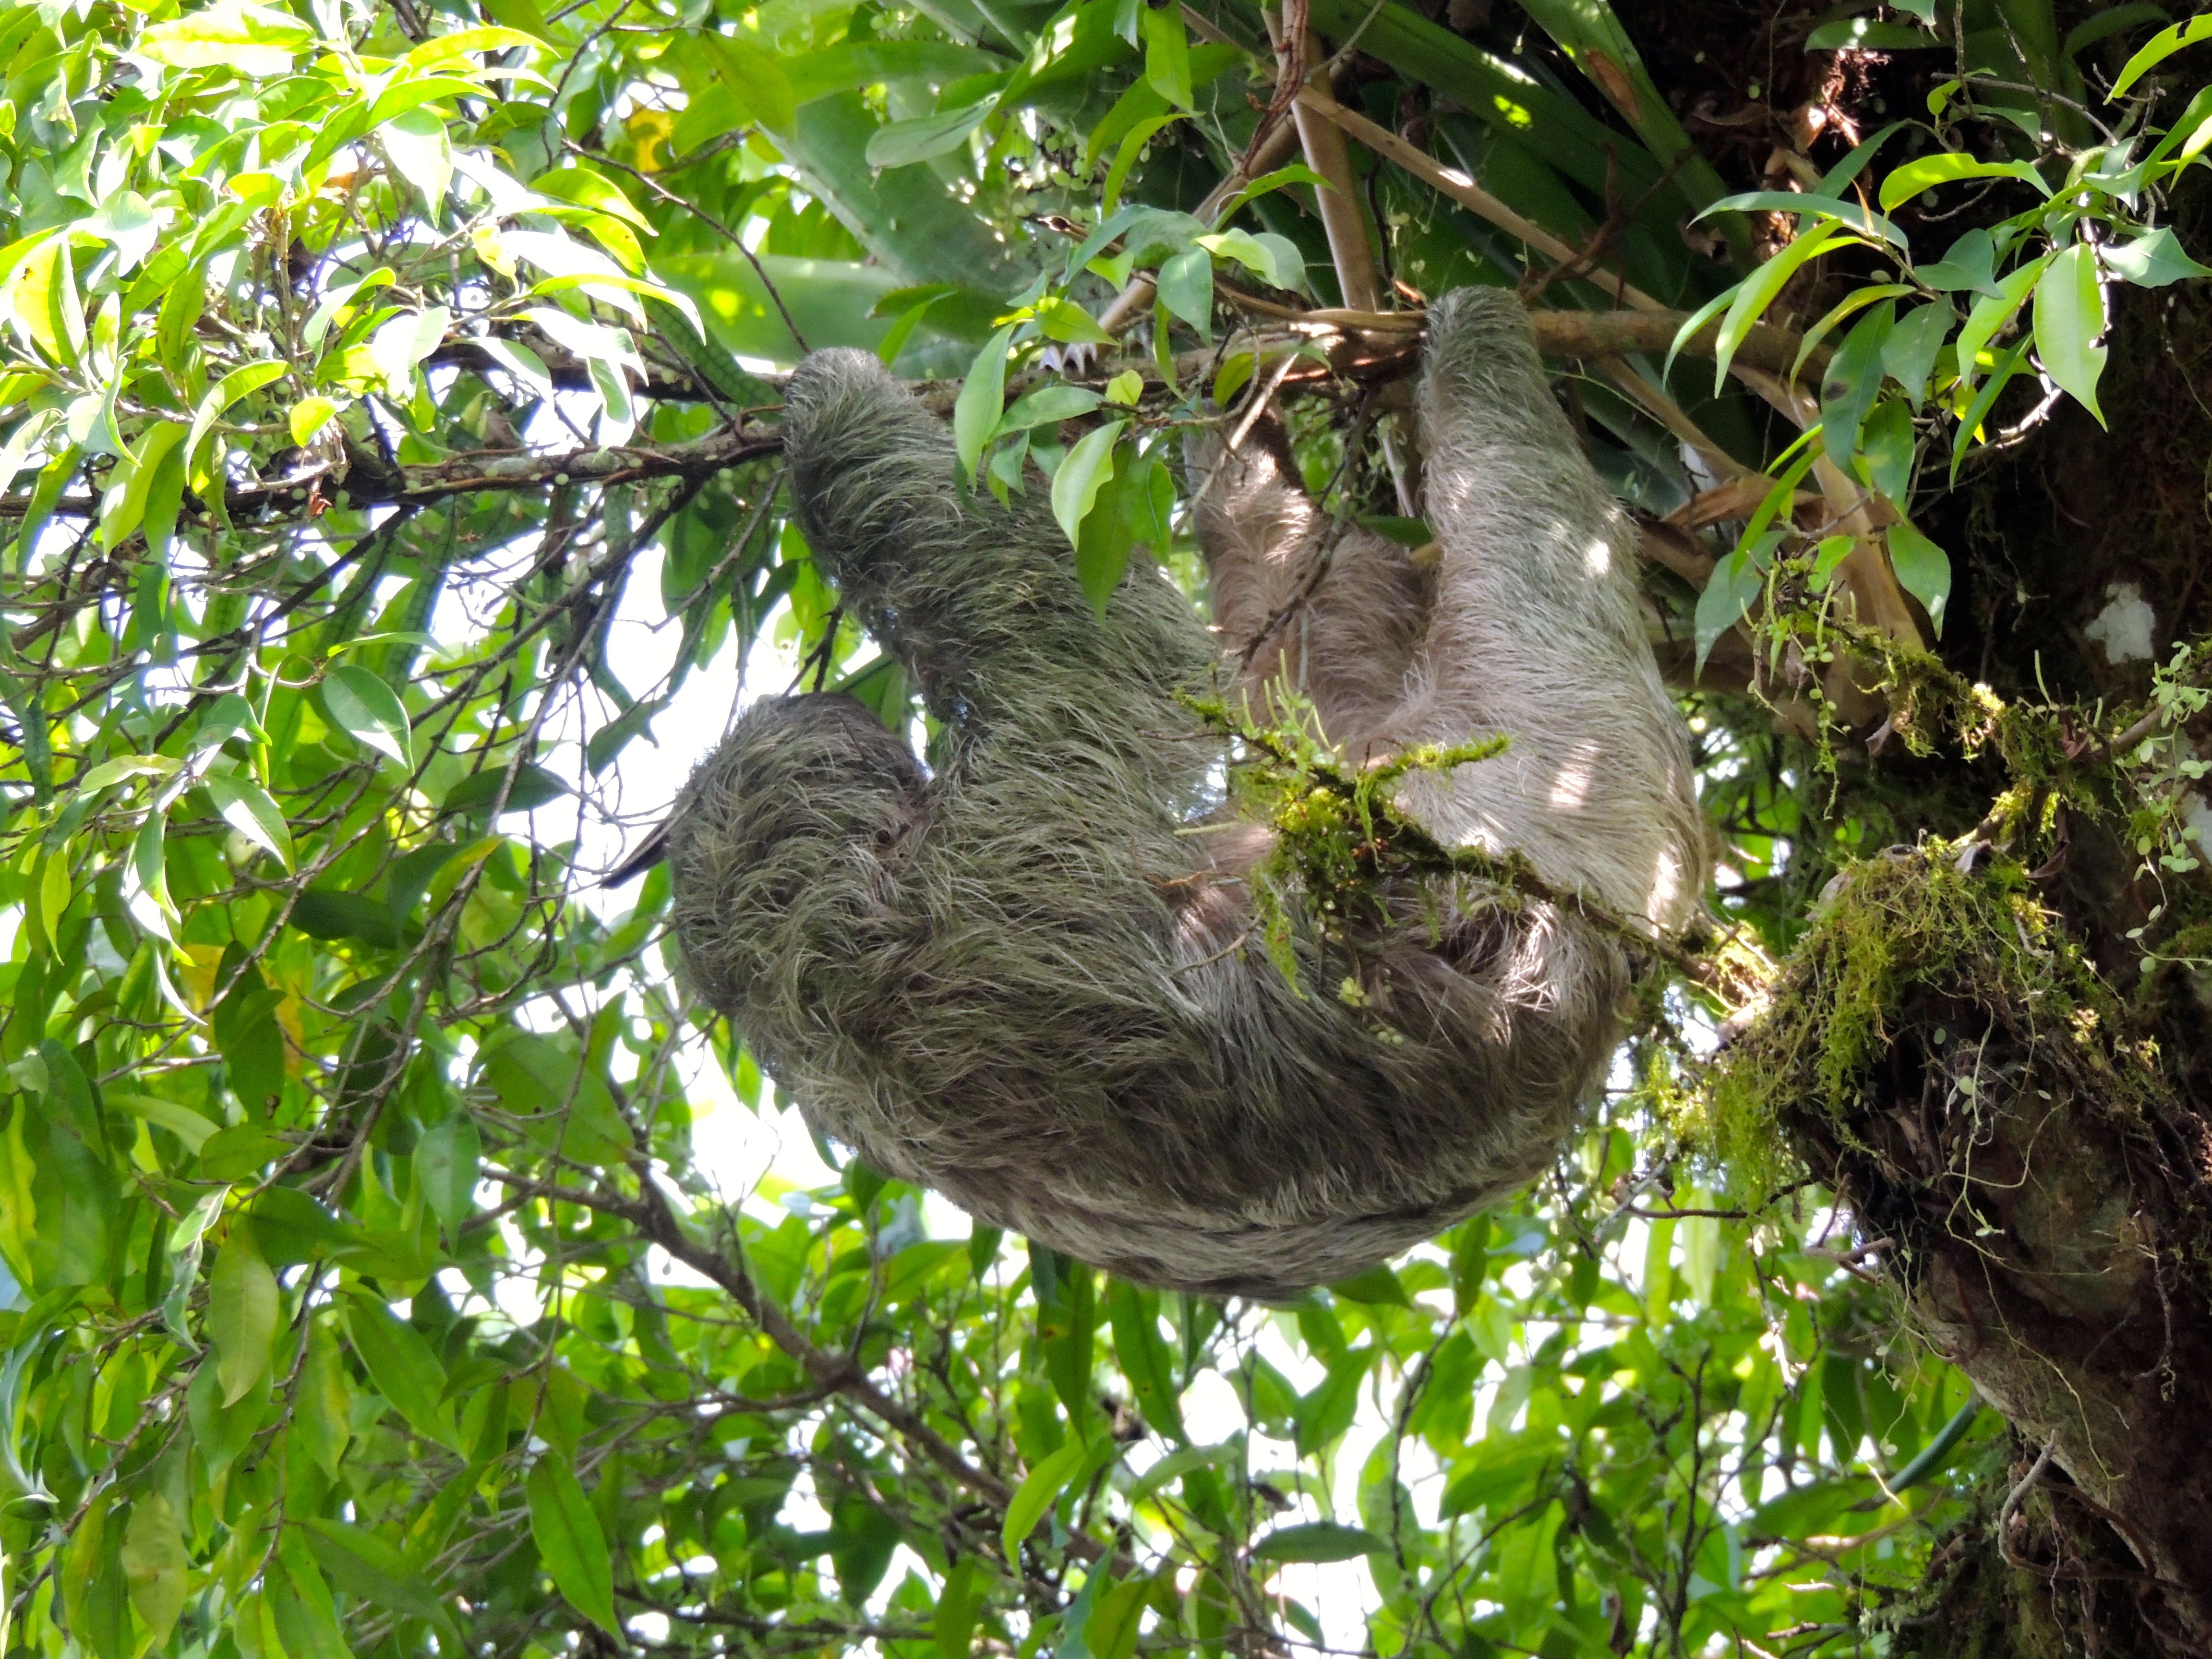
pixel 1903 945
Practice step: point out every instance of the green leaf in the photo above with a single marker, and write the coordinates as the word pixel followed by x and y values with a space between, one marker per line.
pixel 593 190
pixel 1758 290
pixel 1378 1285
pixel 255 41
pixel 1866 34
pixel 154 1563
pixel 561 1101
pixel 1887 448
pixel 1275 260
pixel 310 415
pixel 2069 325
pixel 420 151
pixel 1853 382
pixel 322 1412
pixel 400 1363
pixel 246 807
pixel 2160 47
pixel 305 1615
pixel 1317 1541
pixel 1167 54
pixel 1737 583
pixel 445 1165
pixel 1036 1493
pixel 239 383
pixel 1924 570
pixel 1925 173
pixel 1813 205
pixel 569 1540
pixel 1909 355
pixel 533 787
pixel 761 90
pixel 328 913
pixel 1064 319
pixel 1297 173
pixel 902 144
pixel 94 1591
pixel 2153 261
pixel 366 1566
pixel 954 1623
pixel 983 398
pixel 367 710
pixel 1047 405
pixel 1186 285
pixel 241 1313
pixel 1144 1358
pixel 1125 158
pixel 1075 487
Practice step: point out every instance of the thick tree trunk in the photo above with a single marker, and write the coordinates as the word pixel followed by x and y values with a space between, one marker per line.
pixel 2028 1122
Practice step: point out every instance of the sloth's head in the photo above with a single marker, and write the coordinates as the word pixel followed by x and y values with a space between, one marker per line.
pixel 800 803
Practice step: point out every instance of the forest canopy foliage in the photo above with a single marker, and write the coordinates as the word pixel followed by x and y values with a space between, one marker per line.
pixel 389 477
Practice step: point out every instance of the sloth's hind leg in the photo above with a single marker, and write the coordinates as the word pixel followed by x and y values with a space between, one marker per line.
pixel 1337 619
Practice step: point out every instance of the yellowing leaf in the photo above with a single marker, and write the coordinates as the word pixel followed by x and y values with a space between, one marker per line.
pixel 42 294
pixel 310 415
pixel 256 42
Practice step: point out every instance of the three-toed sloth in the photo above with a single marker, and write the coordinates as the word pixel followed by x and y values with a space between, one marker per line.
pixel 1031 978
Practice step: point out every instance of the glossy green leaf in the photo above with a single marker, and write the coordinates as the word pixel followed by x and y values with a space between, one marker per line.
pixel 983 399
pixel 367 710
pixel 1924 570
pixel 1088 466
pixel 2069 325
pixel 2160 47
pixel 1039 1488
pixel 569 1540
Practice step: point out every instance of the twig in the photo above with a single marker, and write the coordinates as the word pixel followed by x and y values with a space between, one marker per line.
pixel 707 219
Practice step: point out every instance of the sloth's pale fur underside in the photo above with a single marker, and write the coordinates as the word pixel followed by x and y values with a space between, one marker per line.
pixel 1018 979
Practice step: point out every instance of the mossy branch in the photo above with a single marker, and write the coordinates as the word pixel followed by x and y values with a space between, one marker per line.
pixel 1342 844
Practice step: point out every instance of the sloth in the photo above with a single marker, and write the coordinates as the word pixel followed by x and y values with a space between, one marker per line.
pixel 1028 975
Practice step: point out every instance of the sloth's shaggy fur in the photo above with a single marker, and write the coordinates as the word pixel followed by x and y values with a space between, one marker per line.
pixel 1030 979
